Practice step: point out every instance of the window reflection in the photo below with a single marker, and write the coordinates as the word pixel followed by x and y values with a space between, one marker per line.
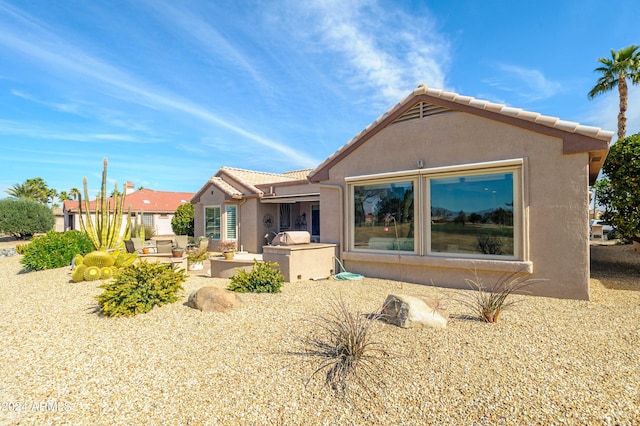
pixel 473 214
pixel 384 216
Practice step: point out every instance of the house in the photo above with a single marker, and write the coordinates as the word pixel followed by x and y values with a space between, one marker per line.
pixel 252 207
pixel 156 207
pixel 438 188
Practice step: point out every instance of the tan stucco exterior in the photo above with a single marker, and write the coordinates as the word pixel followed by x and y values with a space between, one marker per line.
pixel 431 134
pixel 554 197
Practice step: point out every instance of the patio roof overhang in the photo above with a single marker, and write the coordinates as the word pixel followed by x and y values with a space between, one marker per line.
pixel 290 199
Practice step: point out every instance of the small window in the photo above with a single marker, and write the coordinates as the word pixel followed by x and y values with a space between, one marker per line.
pixel 212 222
pixel 231 222
pixel 147 219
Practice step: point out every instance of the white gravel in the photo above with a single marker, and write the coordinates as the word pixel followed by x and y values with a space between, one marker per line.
pixel 548 361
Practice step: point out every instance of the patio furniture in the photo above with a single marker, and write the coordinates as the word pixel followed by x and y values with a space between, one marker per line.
pixel 182 241
pixel 164 246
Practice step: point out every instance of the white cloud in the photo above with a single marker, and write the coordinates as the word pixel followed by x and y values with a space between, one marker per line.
pixel 207 39
pixel 389 52
pixel 48 50
pixel 526 83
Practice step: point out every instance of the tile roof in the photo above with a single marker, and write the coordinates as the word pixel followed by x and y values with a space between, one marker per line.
pixel 146 200
pixel 444 101
pixel 253 178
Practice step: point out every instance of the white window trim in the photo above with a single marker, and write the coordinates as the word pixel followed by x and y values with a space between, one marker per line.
pixel 204 219
pixel 422 212
pixel 226 221
pixel 351 213
pixel 517 213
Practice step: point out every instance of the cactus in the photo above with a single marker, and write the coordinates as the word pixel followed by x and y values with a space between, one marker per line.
pixel 92 273
pixel 99 259
pixel 78 273
pixel 106 272
pixel 106 264
pixel 105 229
pixel 78 259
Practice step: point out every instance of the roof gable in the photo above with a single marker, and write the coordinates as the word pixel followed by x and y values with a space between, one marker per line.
pixel 424 102
pixel 240 183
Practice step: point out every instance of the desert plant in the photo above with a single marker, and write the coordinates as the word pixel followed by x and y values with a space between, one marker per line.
pixel 345 344
pixel 488 302
pixel 198 254
pixel 263 278
pixel 182 221
pixel 55 250
pixel 105 230
pixel 23 218
pixel 101 260
pixel 227 245
pixel 137 288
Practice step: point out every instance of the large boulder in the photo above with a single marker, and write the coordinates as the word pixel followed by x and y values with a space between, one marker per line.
pixel 410 311
pixel 213 299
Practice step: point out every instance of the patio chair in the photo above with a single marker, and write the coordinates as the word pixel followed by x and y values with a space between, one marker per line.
pixel 129 246
pixel 182 241
pixel 138 244
pixel 164 246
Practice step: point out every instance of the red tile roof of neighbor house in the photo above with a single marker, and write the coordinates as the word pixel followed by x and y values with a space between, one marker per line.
pixel 146 200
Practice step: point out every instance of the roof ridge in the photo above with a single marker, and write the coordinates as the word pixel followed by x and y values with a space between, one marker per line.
pixel 251 171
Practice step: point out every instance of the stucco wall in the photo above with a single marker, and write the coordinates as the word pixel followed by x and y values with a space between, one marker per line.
pixel 555 199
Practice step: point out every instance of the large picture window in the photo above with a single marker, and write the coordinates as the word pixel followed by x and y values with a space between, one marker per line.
pixel 212 222
pixel 466 211
pixel 472 214
pixel 383 215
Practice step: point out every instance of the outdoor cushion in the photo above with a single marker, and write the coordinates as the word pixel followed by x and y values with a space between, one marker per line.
pixel 164 246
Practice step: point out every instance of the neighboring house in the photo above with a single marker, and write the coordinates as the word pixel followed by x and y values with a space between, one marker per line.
pixel 439 187
pixel 156 207
pixel 59 216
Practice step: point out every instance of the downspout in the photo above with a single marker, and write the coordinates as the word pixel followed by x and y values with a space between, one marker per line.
pixel 342 224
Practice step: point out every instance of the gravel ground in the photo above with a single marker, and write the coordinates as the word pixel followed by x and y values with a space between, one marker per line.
pixel 548 361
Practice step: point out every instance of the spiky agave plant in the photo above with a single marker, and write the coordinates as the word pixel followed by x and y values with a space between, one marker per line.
pixel 344 343
pixel 105 230
pixel 488 302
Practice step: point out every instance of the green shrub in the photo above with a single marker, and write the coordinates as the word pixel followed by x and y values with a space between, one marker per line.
pixel 23 218
pixel 263 278
pixel 182 221
pixel 137 288
pixel 55 250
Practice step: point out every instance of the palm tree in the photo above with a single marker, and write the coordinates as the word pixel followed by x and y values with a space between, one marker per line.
pixel 623 64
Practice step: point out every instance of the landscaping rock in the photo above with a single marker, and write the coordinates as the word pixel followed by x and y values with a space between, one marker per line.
pixel 409 311
pixel 214 299
pixel 8 252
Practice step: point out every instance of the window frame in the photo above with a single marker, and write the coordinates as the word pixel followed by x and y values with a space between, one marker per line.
pixel 219 221
pixel 226 222
pixel 517 213
pixel 351 215
pixel 422 207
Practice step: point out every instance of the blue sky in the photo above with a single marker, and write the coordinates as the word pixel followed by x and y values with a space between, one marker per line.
pixel 171 91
